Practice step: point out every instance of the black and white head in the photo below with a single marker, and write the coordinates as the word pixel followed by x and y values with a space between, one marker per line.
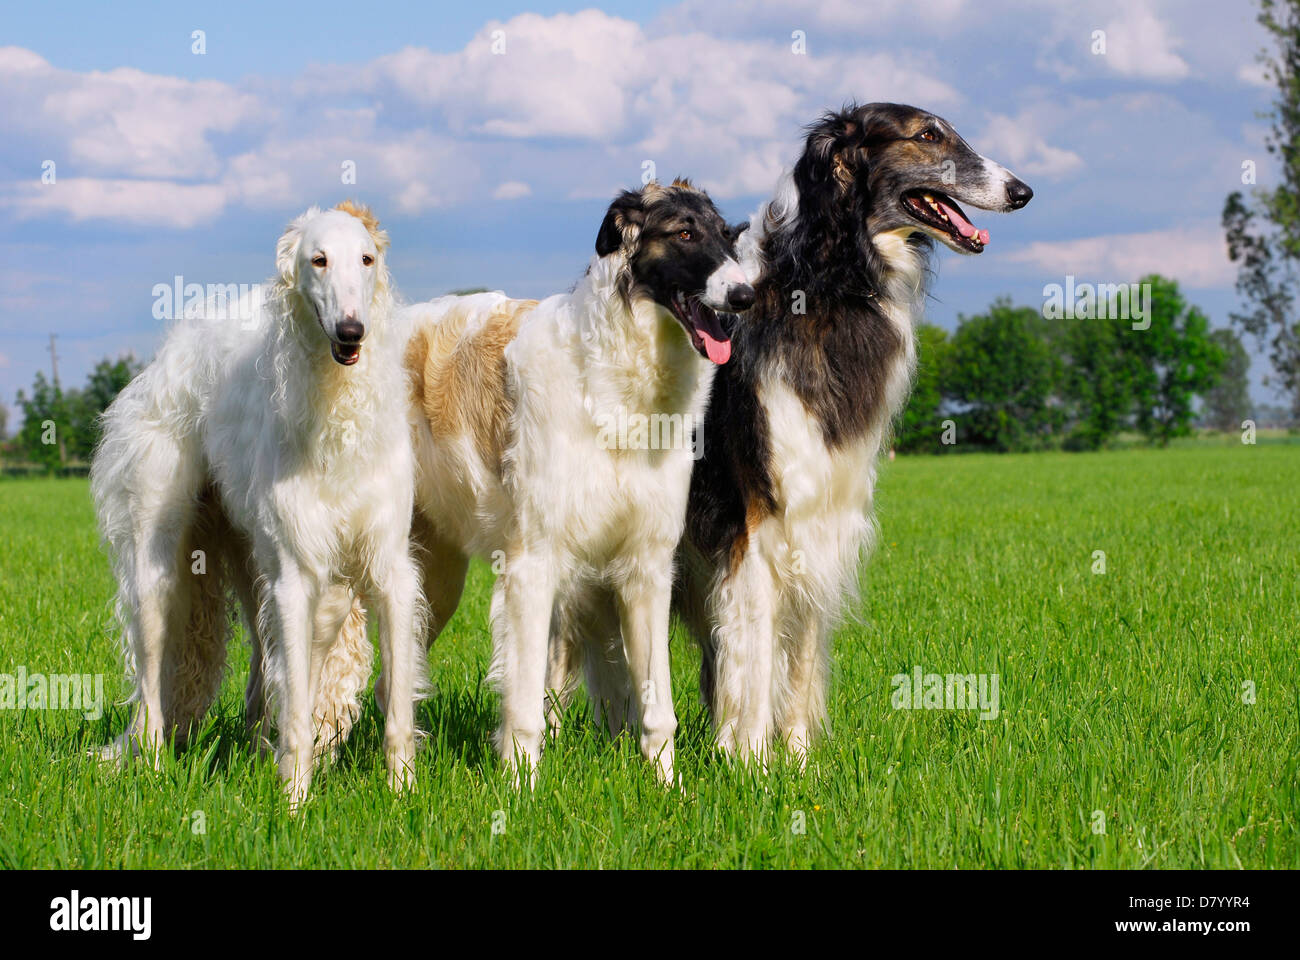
pixel 680 254
pixel 902 169
pixel 333 260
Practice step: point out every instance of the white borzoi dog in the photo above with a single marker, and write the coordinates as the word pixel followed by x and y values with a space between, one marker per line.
pixel 558 438
pixel 271 455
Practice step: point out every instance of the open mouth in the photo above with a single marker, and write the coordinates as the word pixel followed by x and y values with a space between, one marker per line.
pixel 940 212
pixel 345 353
pixel 704 327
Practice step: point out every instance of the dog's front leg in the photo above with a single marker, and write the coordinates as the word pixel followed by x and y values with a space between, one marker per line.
pixel 522 602
pixel 745 638
pixel 804 712
pixel 292 607
pixel 644 599
pixel 397 599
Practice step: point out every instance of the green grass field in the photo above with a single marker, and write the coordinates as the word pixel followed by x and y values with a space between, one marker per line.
pixel 1125 692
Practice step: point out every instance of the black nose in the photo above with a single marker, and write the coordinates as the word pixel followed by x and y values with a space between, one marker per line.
pixel 740 297
pixel 350 331
pixel 1018 194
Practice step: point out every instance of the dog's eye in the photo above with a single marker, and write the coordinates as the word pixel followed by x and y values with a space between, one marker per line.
pixel 685 235
pixel 367 259
pixel 318 260
pixel 928 135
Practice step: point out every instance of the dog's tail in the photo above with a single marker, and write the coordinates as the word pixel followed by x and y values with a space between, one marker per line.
pixel 162 525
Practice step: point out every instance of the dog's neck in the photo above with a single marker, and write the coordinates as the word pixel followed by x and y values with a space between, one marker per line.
pixel 328 408
pixel 633 352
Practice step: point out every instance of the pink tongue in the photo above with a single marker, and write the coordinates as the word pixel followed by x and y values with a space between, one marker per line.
pixel 719 351
pixel 964 226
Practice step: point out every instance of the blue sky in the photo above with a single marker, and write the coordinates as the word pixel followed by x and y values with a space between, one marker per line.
pixel 493 168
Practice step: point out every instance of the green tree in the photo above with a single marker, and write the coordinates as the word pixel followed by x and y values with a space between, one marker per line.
pixel 4 421
pixel 1264 238
pixel 1002 377
pixel 1096 381
pixel 1228 402
pixel 43 437
pixel 73 414
pixel 105 382
pixel 920 427
pixel 1174 360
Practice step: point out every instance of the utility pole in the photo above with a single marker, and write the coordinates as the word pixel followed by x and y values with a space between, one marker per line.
pixel 58 428
pixel 54 362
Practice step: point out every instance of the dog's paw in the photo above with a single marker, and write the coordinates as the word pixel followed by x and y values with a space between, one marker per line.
pixel 113 754
pixel 402 779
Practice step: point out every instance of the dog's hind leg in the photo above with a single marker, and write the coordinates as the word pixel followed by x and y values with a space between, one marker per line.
pixel 609 681
pixel 691 603
pixel 398 604
pixel 443 568
pixel 342 660
pixel 198 662
pixel 586 639
pixel 239 569
pixel 563 655
pixel 442 575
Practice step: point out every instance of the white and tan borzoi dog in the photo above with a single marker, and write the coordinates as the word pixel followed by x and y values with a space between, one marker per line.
pixel 272 455
pixel 522 456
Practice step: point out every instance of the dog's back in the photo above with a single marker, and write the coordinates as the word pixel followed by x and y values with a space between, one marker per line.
pixel 456 360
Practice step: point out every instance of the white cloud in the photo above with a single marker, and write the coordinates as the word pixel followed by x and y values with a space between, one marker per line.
pixel 512 190
pixel 143 202
pixel 815 15
pixel 123 122
pixel 418 170
pixel 1140 44
pixel 527 89
pixel 1015 143
pixel 577 103
pixel 592 76
pixel 1253 74
pixel 1196 254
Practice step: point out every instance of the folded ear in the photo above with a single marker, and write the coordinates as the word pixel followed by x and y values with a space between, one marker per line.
pixel 736 229
pixel 833 149
pixel 622 223
pixel 286 249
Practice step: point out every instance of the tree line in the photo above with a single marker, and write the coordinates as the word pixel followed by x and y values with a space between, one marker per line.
pixel 1007 380
pixel 1010 379
pixel 61 427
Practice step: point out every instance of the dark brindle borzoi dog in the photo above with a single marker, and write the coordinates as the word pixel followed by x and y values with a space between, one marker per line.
pixel 780 507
